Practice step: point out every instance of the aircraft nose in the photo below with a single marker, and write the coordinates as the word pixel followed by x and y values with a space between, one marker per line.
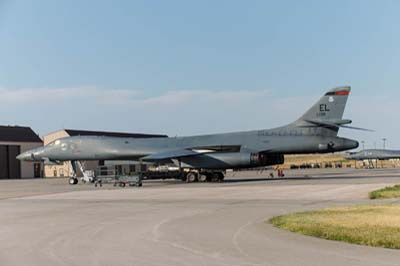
pixel 25 156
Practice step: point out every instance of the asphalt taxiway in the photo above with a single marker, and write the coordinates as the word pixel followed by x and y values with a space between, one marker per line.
pixel 48 222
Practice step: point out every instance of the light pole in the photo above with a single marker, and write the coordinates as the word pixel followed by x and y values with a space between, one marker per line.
pixel 384 143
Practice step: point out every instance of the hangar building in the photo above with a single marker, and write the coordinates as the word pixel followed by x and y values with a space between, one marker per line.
pixel 13 141
pixel 65 169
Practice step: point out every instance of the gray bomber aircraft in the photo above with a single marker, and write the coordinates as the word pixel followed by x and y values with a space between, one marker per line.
pixel 374 154
pixel 207 156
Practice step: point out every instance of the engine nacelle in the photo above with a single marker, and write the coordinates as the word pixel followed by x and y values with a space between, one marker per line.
pixel 232 160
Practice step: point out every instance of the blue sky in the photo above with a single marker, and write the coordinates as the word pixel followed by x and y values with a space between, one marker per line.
pixel 193 67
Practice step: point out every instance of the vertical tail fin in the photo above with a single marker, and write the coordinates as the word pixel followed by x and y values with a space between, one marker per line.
pixel 326 116
pixel 330 107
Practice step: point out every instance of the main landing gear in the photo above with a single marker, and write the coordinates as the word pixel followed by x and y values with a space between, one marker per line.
pixel 194 176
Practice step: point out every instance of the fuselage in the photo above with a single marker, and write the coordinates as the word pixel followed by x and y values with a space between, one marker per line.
pixel 314 132
pixel 240 146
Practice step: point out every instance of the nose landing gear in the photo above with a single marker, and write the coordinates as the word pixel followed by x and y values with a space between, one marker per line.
pixel 73 181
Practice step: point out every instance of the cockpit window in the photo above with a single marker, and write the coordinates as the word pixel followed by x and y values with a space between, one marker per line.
pixel 56 142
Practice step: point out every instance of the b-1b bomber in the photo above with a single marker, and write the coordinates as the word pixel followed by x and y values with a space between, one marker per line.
pixel 207 156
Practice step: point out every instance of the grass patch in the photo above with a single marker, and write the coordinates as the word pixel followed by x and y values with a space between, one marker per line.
pixel 386 193
pixel 372 225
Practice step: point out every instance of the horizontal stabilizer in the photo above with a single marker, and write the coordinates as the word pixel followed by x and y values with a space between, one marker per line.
pixel 336 124
pixel 358 128
pixel 332 123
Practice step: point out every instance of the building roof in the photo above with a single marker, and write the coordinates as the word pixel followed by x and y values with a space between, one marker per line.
pixel 73 132
pixel 18 134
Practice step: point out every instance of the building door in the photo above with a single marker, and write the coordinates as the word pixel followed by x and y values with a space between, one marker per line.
pixel 10 167
pixel 3 162
pixel 13 163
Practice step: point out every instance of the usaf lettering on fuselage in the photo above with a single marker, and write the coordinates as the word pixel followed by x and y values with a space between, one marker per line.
pixel 323 109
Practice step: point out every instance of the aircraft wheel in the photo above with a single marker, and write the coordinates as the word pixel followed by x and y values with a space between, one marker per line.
pixel 73 181
pixel 215 177
pixel 122 184
pixel 183 178
pixel 203 178
pixel 191 177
